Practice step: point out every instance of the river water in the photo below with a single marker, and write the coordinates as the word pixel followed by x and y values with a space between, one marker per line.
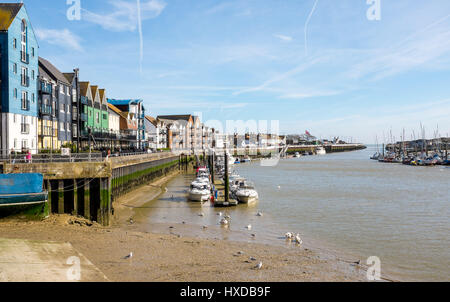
pixel 342 202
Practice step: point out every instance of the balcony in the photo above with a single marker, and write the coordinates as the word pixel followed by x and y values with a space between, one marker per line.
pixel 84 100
pixel 46 110
pixel 25 128
pixel 24 57
pixel 84 117
pixel 26 105
pixel 45 89
pixel 25 81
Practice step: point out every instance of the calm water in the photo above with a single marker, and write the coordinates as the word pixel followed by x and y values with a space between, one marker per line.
pixel 342 202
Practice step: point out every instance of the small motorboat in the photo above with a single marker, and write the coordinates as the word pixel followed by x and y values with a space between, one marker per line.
pixel 246 160
pixel 376 156
pixel 199 193
pixel 246 193
pixel 321 151
pixel 297 155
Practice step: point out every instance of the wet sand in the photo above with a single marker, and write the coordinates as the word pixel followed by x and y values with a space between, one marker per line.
pixel 172 257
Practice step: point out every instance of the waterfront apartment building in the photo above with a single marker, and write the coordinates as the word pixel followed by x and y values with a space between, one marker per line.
pixel 55 108
pixel 18 75
pixel 133 122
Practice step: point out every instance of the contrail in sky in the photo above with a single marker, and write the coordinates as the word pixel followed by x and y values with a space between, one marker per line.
pixel 141 48
pixel 306 26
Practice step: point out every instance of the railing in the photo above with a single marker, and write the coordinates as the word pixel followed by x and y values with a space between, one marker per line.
pixel 45 89
pixel 25 81
pixel 26 105
pixel 25 128
pixel 46 110
pixel 25 58
pixel 84 100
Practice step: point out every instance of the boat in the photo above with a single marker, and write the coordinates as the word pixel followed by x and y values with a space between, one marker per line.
pixel 246 193
pixel 376 156
pixel 321 151
pixel 200 193
pixel 22 189
pixel 237 161
pixel 297 155
pixel 247 159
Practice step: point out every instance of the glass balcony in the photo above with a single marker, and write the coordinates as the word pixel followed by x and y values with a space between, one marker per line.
pixel 45 89
pixel 46 110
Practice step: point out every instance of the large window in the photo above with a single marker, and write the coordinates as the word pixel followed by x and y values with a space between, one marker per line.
pixel 24 40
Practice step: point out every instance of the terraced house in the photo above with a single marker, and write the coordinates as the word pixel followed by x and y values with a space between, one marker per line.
pixel 94 116
pixel 18 75
pixel 55 108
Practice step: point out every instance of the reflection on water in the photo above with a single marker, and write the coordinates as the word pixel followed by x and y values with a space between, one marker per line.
pixel 398 213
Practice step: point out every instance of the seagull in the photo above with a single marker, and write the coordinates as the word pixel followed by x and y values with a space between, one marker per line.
pixel 259 214
pixel 205 227
pixel 227 216
pixel 224 222
pixel 129 256
pixel 201 215
pixel 289 236
pixel 279 187
pixel 131 221
pixel 165 189
pixel 357 262
pixel 253 235
pixel 240 253
pixel 259 266
pixel 298 239
pixel 220 214
pixel 252 259
pixel 249 227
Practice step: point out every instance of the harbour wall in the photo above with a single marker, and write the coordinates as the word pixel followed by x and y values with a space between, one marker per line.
pixel 89 189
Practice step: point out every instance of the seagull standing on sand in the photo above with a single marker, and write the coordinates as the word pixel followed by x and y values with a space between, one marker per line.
pixel 224 222
pixel 220 214
pixel 249 227
pixel 201 215
pixel 259 266
pixel 129 256
pixel 289 236
pixel 259 214
pixel 298 239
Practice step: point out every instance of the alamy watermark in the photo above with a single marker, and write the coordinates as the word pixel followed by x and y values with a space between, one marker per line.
pixel 374 270
pixel 374 11
pixel 74 272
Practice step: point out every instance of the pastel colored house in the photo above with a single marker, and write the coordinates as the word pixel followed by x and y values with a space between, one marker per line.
pixel 18 75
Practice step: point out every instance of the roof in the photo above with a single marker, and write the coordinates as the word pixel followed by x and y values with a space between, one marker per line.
pixel 102 93
pixel 151 120
pixel 8 12
pixel 84 88
pixel 69 76
pixel 124 102
pixel 52 71
pixel 114 109
pixel 94 89
pixel 175 117
pixel 43 73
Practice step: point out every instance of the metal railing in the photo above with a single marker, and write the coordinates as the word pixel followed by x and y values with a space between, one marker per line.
pixel 25 82
pixel 45 89
pixel 24 57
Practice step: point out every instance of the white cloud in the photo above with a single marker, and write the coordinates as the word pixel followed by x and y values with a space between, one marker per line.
pixel 64 38
pixel 284 38
pixel 124 16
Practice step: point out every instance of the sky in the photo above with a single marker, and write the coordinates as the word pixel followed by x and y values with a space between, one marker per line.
pixel 317 65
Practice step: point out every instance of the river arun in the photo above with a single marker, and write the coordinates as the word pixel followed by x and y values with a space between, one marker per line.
pixel 343 204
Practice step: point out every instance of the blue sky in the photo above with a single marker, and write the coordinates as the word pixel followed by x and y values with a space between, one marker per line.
pixel 251 60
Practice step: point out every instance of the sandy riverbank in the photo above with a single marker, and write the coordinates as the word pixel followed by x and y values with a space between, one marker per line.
pixel 163 257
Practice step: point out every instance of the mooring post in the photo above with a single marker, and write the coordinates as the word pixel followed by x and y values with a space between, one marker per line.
pixel 49 191
pixel 61 196
pixel 105 201
pixel 87 200
pixel 75 196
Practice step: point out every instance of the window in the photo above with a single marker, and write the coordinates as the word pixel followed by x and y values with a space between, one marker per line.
pixel 15 68
pixel 14 118
pixel 61 107
pixel 24 100
pixel 32 143
pixel 24 41
pixel 32 97
pixel 61 89
pixel 32 51
pixel 15 43
pixel 97 117
pixel 15 93
pixel 32 74
pixel 61 126
pixel 68 127
pixel 24 144
pixel 15 143
pixel 67 109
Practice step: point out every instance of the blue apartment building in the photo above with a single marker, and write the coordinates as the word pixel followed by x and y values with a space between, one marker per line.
pixel 18 75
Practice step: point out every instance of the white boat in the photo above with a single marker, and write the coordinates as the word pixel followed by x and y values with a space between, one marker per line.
pixel 321 151
pixel 246 193
pixel 202 182
pixel 199 193
pixel 297 155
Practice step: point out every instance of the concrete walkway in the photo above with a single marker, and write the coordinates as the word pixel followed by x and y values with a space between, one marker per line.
pixel 36 261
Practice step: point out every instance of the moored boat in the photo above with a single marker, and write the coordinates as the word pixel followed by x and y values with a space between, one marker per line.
pixel 22 189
